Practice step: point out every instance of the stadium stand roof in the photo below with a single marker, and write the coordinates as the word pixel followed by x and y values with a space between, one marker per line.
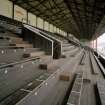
pixel 79 17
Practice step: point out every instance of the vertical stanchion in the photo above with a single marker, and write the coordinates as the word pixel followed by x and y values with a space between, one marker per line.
pixel 13 4
pixel 96 44
pixel 27 17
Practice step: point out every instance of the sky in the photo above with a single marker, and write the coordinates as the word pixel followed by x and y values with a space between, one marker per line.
pixel 101 43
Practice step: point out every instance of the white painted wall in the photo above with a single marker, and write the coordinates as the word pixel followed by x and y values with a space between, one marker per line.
pixel 6 8
pixel 55 29
pixel 46 26
pixel 65 34
pixel 20 14
pixel 61 32
pixel 51 28
pixel 32 19
pixel 39 23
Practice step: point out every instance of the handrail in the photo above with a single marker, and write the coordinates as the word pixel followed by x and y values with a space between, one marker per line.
pixel 19 62
pixel 38 33
pixel 100 65
pixel 50 36
pixel 11 47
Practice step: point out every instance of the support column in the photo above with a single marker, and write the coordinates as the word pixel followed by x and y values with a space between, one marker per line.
pixel 13 10
pixel 67 35
pixel 27 17
pixel 56 29
pixel 93 44
pixel 36 20
pixel 43 24
pixel 49 27
pixel 96 44
pixel 52 28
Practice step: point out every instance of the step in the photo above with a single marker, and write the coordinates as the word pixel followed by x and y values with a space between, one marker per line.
pixel 17 41
pixel 10 47
pixel 16 38
pixel 65 42
pixel 75 94
pixel 47 63
pixel 101 91
pixel 69 53
pixel 82 61
pixel 33 54
pixel 10 34
pixel 67 48
pixel 39 53
pixel 94 65
pixel 100 65
pixel 65 45
pixel 86 77
pixel 11 38
pixel 24 45
pixel 4 38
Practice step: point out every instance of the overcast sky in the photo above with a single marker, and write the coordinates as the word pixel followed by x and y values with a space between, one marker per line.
pixel 101 42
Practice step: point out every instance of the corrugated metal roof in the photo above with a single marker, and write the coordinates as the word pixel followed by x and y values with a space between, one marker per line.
pixel 79 17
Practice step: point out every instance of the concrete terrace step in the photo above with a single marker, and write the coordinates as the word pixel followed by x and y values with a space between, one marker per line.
pixel 68 53
pixel 101 91
pixel 24 73
pixel 39 53
pixel 19 42
pixel 56 94
pixel 94 65
pixel 33 54
pixel 67 48
pixel 24 45
pixel 7 33
pixel 24 90
pixel 74 98
pixel 65 41
pixel 49 65
pixel 21 93
pixel 65 45
pixel 86 74
pixel 100 65
pixel 16 38
pixel 18 50
pixel 10 47
pixel 12 55
pixel 18 62
pixel 40 96
pixel 12 38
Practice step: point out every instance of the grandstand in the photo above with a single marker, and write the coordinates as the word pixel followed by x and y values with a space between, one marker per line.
pixel 49 61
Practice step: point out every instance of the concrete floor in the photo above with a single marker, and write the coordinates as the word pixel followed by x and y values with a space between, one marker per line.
pixel 28 76
pixel 88 96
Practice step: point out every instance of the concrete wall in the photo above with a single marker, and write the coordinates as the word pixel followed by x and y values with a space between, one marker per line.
pixel 32 19
pixel 20 14
pixel 6 8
